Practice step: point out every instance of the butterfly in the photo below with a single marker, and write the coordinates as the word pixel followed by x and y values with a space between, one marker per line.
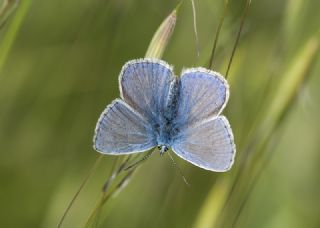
pixel 159 109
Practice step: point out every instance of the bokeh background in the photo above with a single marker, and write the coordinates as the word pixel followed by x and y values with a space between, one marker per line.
pixel 59 66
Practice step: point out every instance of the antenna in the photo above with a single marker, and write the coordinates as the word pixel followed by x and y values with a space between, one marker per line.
pixel 141 160
pixel 175 165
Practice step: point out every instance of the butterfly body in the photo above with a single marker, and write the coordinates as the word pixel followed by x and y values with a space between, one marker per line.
pixel 167 130
pixel 160 109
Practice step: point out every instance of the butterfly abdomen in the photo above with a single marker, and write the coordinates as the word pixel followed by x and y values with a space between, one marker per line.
pixel 166 130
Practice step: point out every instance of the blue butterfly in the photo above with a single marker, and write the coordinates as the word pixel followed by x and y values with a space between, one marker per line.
pixel 160 109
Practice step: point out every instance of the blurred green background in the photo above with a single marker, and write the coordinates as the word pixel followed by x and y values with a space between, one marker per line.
pixel 59 65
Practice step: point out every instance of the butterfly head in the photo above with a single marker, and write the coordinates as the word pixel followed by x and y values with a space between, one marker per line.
pixel 163 149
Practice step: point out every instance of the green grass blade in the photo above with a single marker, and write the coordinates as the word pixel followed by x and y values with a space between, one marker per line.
pixel 7 8
pixel 216 38
pixel 162 36
pixel 11 34
pixel 237 187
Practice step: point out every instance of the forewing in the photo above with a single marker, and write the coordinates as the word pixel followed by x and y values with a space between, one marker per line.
pixel 121 130
pixel 203 95
pixel 144 85
pixel 209 145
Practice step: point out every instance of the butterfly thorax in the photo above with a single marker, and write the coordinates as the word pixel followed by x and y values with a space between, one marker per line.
pixel 166 130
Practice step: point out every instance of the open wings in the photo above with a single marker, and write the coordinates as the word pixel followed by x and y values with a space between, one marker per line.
pixel 145 85
pixel 209 145
pixel 203 94
pixel 204 138
pixel 121 130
